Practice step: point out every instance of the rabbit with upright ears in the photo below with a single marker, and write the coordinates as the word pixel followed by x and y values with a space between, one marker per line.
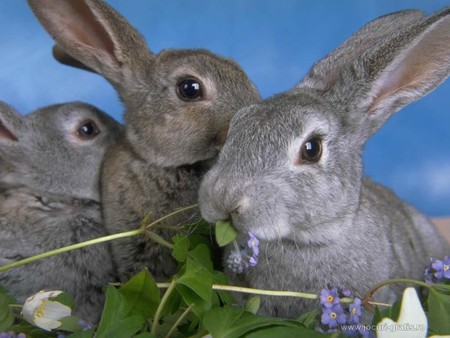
pixel 291 171
pixel 49 198
pixel 178 105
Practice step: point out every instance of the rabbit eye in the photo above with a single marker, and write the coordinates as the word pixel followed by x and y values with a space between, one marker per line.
pixel 88 130
pixel 311 150
pixel 189 89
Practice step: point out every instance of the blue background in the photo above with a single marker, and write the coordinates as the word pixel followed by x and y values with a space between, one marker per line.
pixel 275 41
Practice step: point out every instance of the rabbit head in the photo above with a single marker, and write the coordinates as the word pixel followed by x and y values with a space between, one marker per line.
pixel 57 149
pixel 291 167
pixel 178 102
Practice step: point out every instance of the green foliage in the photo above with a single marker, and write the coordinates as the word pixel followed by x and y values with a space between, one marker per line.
pixel 439 309
pixel 192 304
pixel 225 233
pixel 6 314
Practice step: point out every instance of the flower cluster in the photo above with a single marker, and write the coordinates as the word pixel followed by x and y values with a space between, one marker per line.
pixel 335 315
pixel 438 270
pixel 11 335
pixel 240 259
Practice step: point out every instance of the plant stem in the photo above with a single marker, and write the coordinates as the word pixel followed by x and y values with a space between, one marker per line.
pixel 163 302
pixel 255 291
pixel 159 220
pixel 131 233
pixel 158 239
pixel 371 292
pixel 179 320
pixel 70 248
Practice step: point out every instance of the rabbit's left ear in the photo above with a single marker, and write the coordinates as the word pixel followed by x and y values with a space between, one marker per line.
pixel 66 59
pixel 404 67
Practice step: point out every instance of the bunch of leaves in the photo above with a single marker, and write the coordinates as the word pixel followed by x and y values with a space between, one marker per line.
pixel 196 302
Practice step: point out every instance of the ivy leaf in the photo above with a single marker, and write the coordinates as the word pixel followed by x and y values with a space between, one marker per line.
pixel 309 319
pixel 225 233
pixel 195 287
pixel 439 309
pixel 6 315
pixel 252 304
pixel 115 320
pixel 142 295
pixel 234 322
pixel 181 248
pixel 201 254
pixel 289 332
pixel 198 279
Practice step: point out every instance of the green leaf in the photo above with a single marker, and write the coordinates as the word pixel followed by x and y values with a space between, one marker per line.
pixel 252 304
pixel 6 315
pixel 234 322
pixel 202 255
pixel 84 334
pixel 142 295
pixel 392 312
pixel 70 324
pixel 288 332
pixel 123 328
pixel 65 299
pixel 198 279
pixel 181 248
pixel 439 309
pixel 115 320
pixel 7 296
pixel 225 296
pixel 309 319
pixel 225 233
pixel 144 335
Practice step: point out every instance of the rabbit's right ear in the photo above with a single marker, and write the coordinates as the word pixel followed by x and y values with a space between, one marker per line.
pixel 10 123
pixel 94 34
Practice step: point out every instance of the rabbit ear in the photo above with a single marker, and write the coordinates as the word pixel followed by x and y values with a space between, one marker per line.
pixel 405 67
pixel 326 71
pixel 395 70
pixel 10 120
pixel 93 33
pixel 61 56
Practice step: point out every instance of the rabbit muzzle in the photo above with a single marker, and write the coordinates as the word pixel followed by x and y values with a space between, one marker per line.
pixel 251 207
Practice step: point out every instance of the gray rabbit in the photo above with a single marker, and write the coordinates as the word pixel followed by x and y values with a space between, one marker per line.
pixel 49 198
pixel 178 105
pixel 291 171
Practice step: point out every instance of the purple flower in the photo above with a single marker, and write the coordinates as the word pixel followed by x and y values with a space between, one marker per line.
pixel 240 260
pixel 441 268
pixel 333 316
pixel 355 311
pixel 236 262
pixel 253 244
pixel 346 292
pixel 85 325
pixel 329 298
pixel 429 276
pixel 11 335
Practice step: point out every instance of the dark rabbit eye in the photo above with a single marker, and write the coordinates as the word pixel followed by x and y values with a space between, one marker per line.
pixel 189 89
pixel 88 130
pixel 311 150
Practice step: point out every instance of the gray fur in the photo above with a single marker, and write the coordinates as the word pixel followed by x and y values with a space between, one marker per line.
pixel 169 143
pixel 324 223
pixel 49 198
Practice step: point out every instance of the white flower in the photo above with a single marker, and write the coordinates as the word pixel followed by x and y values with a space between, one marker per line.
pixel 39 310
pixel 412 321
